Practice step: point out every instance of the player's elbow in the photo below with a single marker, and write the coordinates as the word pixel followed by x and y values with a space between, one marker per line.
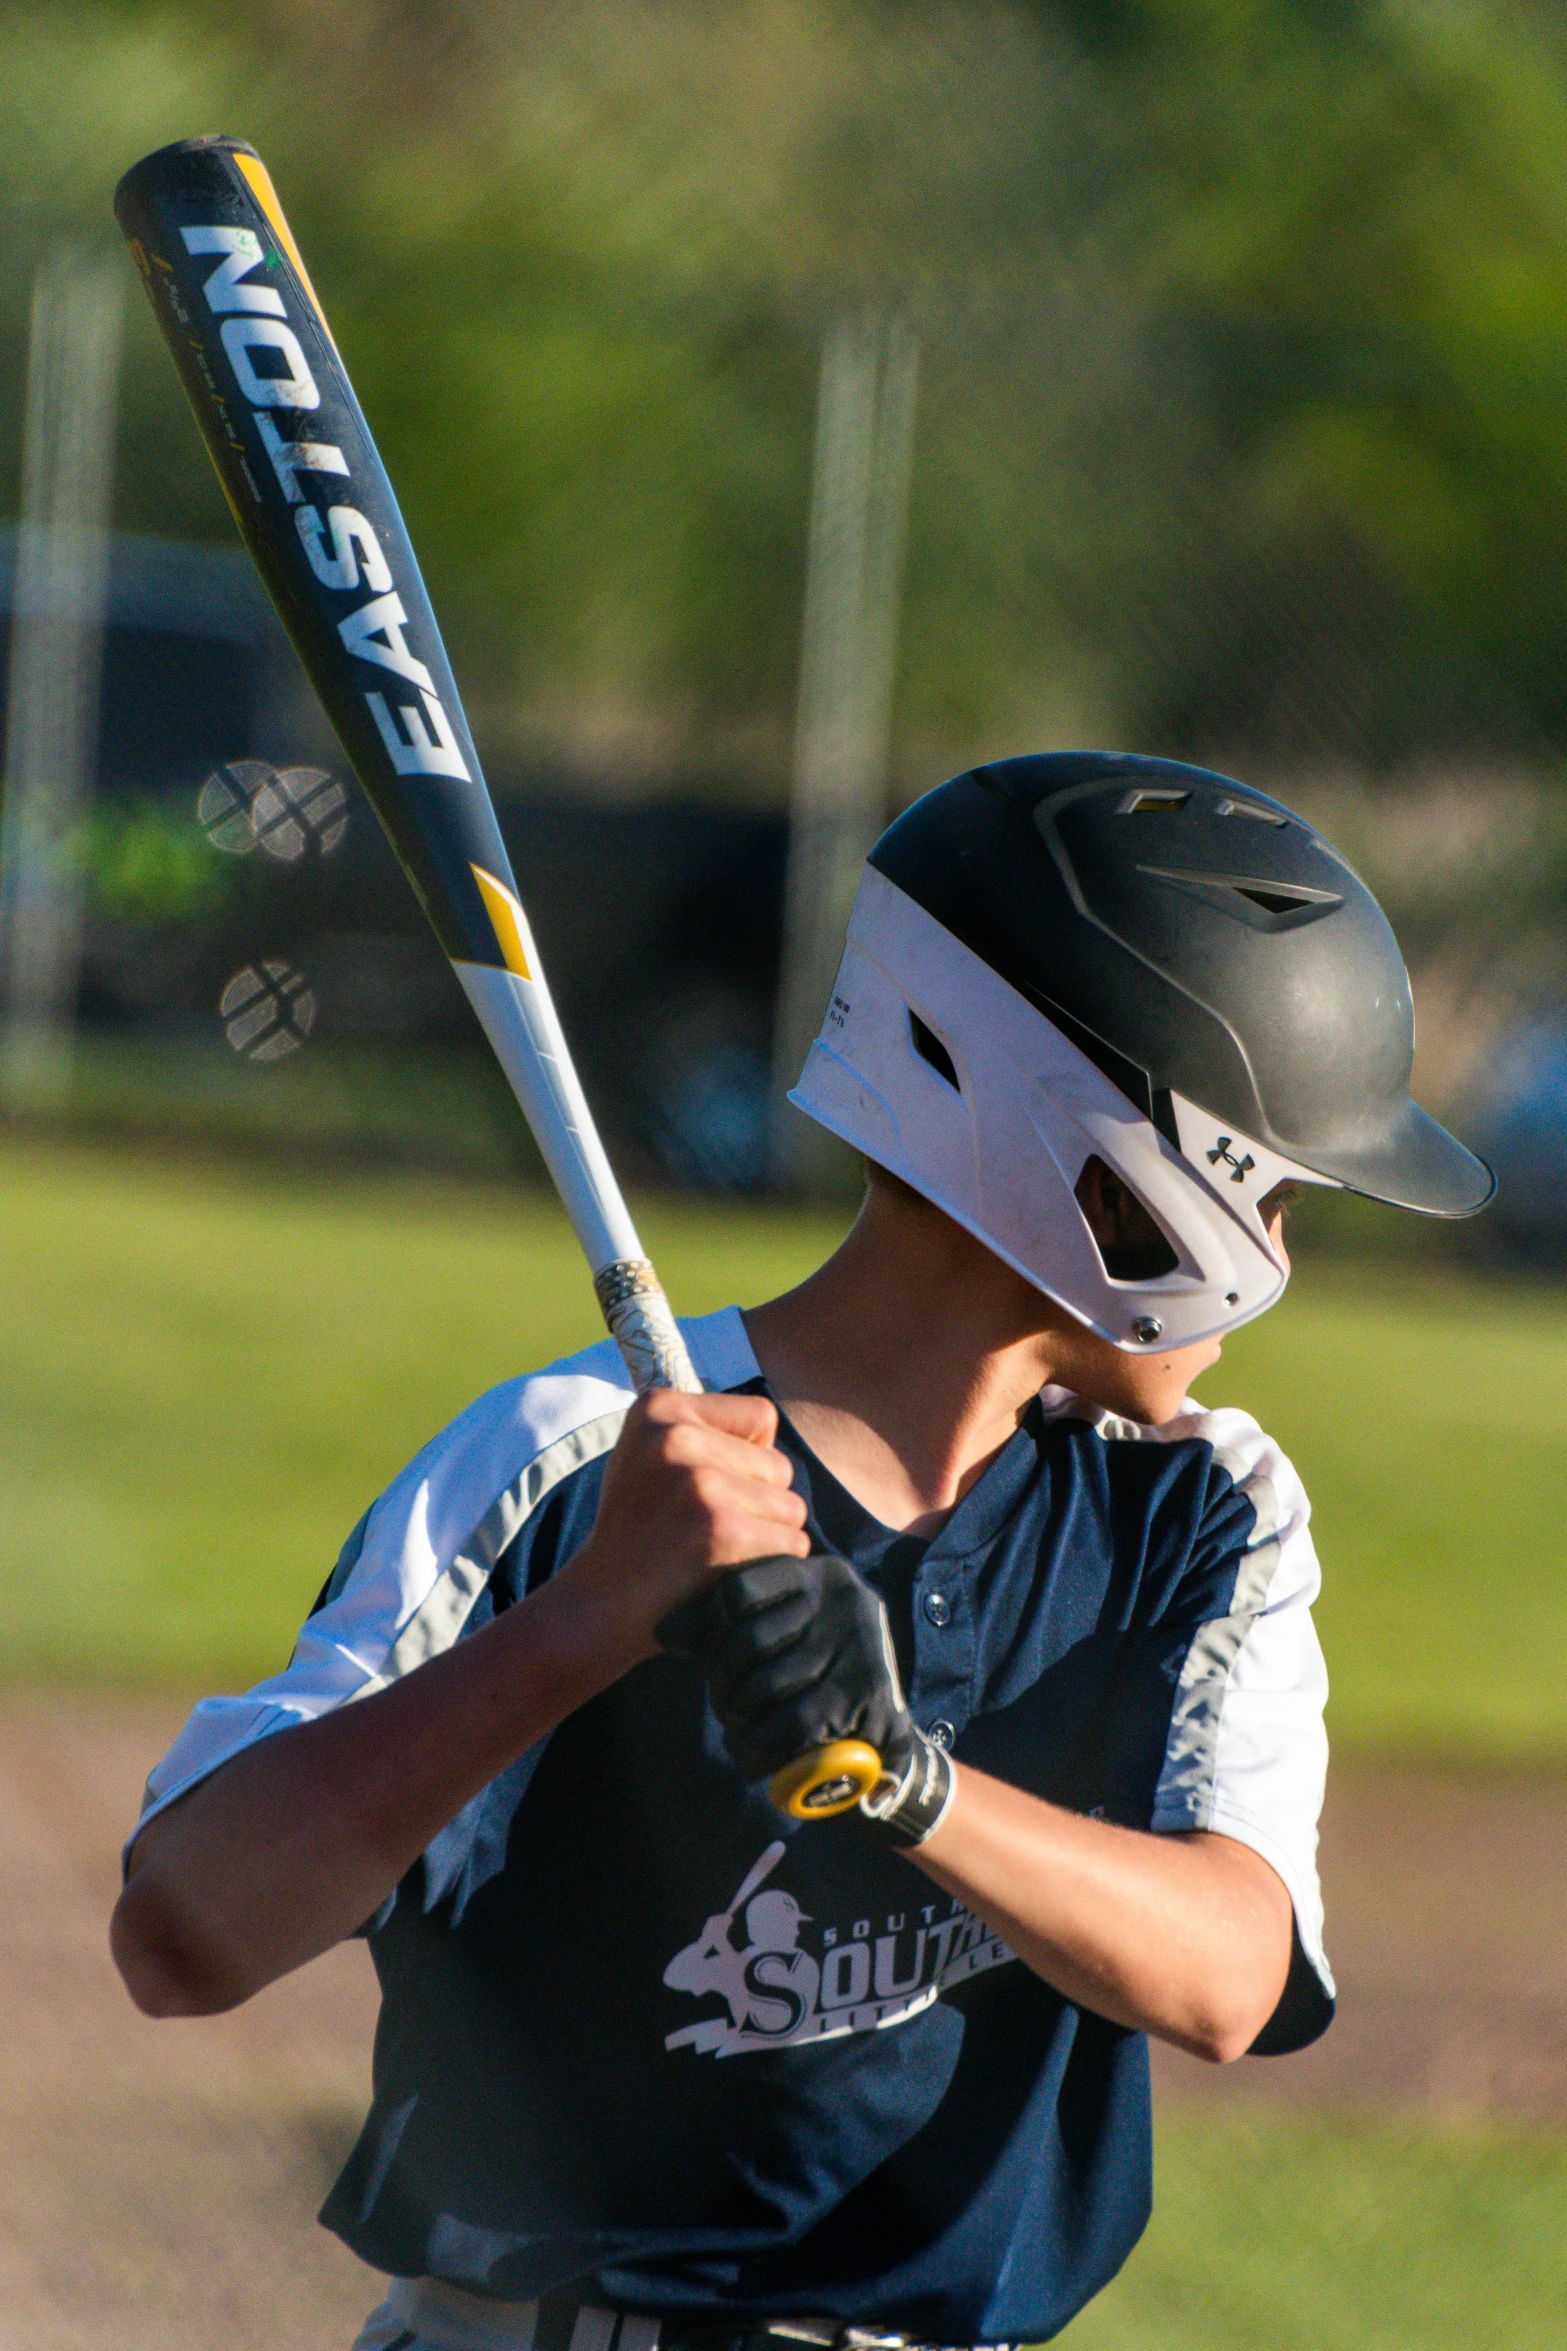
pixel 167 1964
pixel 1221 2044
pixel 1239 1963
pixel 1229 2017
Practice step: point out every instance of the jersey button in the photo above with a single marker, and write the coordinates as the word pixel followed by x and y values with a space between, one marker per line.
pixel 941 1734
pixel 937 1609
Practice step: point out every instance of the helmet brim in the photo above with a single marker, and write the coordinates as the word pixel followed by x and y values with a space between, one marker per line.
pixel 1413 1163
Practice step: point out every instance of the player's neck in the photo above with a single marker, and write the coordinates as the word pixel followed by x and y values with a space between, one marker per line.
pixel 908 1359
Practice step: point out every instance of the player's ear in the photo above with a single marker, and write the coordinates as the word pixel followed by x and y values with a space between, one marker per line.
pixel 1133 1247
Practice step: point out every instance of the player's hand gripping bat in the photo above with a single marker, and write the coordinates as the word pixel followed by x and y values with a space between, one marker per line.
pixel 316 510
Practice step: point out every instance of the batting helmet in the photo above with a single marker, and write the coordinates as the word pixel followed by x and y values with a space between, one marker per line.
pixel 1086 957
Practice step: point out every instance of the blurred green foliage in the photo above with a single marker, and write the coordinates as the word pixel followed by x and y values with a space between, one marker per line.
pixel 148 863
pixel 208 1375
pixel 1242 424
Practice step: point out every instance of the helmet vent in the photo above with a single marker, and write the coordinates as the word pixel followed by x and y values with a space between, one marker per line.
pixel 1152 803
pixel 1249 808
pixel 1254 899
pixel 930 1048
pixel 1274 901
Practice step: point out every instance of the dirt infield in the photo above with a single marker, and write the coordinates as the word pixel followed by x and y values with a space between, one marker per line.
pixel 1447 1927
pixel 157 2182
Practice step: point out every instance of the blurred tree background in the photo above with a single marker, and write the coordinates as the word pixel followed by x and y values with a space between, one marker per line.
pixel 1242 429
pixel 1242 426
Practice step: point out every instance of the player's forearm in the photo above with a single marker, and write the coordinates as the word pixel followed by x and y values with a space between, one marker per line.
pixel 292 1845
pixel 296 1842
pixel 1187 1938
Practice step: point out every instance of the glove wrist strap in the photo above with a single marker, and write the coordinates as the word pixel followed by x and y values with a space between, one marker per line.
pixel 912 1809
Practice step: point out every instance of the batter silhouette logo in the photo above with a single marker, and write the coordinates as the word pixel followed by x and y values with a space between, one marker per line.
pixel 784 1977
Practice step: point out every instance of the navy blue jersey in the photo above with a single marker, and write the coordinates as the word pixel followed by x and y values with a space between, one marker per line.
pixel 644 2039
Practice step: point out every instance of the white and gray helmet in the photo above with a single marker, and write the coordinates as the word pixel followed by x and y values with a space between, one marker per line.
pixel 1088 956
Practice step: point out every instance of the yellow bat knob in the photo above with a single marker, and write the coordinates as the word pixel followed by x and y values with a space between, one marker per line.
pixel 825 1780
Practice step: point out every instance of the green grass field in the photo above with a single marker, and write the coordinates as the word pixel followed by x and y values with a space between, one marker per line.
pixel 1427 1414
pixel 1310 2233
pixel 208 1373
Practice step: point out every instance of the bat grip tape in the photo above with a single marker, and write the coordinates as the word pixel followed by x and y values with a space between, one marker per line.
pixel 643 1328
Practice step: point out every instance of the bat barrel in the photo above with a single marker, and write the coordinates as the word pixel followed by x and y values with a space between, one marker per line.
pixel 317 512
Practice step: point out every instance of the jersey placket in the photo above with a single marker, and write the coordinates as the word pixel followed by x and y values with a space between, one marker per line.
pixel 941 1693
pixel 943 1697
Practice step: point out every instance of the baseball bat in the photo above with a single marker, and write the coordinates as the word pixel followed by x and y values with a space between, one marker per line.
pixel 317 512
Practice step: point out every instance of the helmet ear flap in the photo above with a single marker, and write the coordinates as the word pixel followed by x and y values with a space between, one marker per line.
pixel 1131 1245
pixel 942 1073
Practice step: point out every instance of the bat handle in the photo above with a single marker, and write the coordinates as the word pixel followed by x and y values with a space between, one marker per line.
pixel 825 1779
pixel 643 1328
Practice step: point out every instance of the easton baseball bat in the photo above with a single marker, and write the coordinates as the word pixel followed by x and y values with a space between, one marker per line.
pixel 316 509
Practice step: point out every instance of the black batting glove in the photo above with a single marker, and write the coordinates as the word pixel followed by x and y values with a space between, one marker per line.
pixel 798 1652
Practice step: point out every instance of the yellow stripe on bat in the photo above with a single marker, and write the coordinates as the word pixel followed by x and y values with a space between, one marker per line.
pixel 266 196
pixel 506 919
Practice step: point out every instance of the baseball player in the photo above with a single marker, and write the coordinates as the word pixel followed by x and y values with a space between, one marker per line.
pixel 654 2062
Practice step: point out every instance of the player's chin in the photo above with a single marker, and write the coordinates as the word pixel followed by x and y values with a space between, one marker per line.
pixel 1184 1365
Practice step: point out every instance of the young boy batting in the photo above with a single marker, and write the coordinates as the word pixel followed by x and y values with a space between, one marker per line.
pixel 657 2065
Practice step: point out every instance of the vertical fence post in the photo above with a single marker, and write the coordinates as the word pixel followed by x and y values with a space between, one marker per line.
pixel 853 586
pixel 58 598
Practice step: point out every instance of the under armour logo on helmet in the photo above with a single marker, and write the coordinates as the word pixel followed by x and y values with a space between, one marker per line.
pixel 1242 1167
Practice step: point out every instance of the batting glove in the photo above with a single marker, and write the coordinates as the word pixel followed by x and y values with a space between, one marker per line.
pixel 798 1652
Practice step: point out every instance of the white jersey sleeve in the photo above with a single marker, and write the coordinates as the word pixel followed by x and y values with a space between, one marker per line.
pixel 412 1570
pixel 1248 1752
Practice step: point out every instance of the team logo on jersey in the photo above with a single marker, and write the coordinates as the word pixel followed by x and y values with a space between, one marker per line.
pixel 786 1977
